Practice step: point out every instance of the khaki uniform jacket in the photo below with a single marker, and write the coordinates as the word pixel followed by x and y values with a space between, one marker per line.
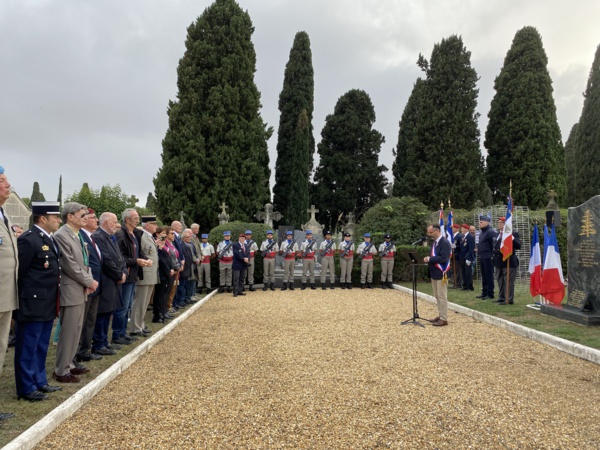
pixel 9 266
pixel 76 276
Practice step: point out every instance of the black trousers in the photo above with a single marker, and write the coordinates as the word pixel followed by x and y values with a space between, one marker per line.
pixel 87 330
pixel 487 277
pixel 238 280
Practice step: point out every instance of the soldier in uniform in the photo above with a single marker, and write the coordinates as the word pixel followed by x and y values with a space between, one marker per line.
pixel 288 250
pixel 346 252
pixel 207 252
pixel 485 247
pixel 467 253
pixel 225 256
pixel 387 250
pixel 253 249
pixel 327 250
pixel 366 251
pixel 39 279
pixel 269 249
pixel 307 253
pixel 457 254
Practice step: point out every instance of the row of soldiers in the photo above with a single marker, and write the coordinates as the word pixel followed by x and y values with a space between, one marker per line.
pixel 307 251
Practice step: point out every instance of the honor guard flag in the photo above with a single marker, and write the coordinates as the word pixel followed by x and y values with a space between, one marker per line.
pixel 442 228
pixel 553 283
pixel 506 246
pixel 535 264
pixel 449 230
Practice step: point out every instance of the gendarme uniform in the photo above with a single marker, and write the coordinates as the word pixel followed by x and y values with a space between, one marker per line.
pixel 346 251
pixel 327 250
pixel 307 253
pixel 269 249
pixel 225 255
pixel 253 248
pixel 365 252
pixel 387 251
pixel 288 250
pixel 206 252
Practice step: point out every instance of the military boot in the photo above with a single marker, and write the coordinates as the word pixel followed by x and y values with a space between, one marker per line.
pixel 349 285
pixel 291 285
pixel 265 286
pixel 383 285
pixel 331 285
pixel 272 286
pixel 221 289
pixel 303 286
pixel 312 286
pixel 284 288
pixel 362 285
pixel 343 285
pixel 391 285
pixel 369 286
pixel 251 288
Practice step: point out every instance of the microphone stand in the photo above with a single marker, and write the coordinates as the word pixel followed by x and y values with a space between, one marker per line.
pixel 413 321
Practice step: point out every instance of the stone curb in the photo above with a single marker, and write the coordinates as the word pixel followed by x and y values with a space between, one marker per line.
pixel 572 348
pixel 38 431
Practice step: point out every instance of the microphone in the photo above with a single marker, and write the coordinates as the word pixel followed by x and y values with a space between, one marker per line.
pixel 420 241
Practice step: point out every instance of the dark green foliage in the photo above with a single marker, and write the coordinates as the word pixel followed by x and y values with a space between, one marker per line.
pixel 36 195
pixel 571 147
pixel 106 199
pixel 151 202
pixel 349 178
pixel 438 155
pixel 586 153
pixel 295 140
pixel 215 149
pixel 405 218
pixel 59 197
pixel 523 138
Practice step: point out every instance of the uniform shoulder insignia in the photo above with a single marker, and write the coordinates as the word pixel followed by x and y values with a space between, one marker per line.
pixel 45 248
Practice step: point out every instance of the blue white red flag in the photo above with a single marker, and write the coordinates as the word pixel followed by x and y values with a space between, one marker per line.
pixel 442 228
pixel 449 230
pixel 553 282
pixel 535 264
pixel 506 246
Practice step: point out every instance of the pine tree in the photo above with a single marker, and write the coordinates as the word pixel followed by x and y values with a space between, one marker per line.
pixel 295 140
pixel 36 195
pixel 523 137
pixel 348 178
pixel 215 149
pixel 570 148
pixel 442 153
pixel 409 160
pixel 586 151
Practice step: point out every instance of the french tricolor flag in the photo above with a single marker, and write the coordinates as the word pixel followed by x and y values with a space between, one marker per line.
pixel 506 246
pixel 553 282
pixel 535 264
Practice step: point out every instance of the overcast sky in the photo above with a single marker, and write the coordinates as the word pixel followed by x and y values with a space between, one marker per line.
pixel 85 83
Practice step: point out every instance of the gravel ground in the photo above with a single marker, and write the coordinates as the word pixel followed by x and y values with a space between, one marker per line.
pixel 334 369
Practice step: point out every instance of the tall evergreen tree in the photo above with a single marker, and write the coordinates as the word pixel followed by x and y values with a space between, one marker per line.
pixel 441 145
pixel 348 178
pixel 36 195
pixel 409 158
pixel 587 149
pixel 570 148
pixel 294 153
pixel 523 137
pixel 150 202
pixel 59 197
pixel 215 149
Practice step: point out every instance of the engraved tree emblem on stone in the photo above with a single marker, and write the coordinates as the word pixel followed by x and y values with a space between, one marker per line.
pixel 223 217
pixel 587 225
pixel 268 215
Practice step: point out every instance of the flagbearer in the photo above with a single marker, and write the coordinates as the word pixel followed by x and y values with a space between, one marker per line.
pixel 269 249
pixel 506 242
pixel 439 262
pixel 366 250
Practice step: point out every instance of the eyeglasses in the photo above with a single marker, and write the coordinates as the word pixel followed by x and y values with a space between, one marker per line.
pixel 81 216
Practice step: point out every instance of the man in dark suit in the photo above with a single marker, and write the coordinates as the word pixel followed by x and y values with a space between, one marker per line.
pixel 241 258
pixel 76 284
pixel 439 261
pixel 114 274
pixel 501 269
pixel 467 256
pixel 39 279
pixel 485 248
pixel 91 306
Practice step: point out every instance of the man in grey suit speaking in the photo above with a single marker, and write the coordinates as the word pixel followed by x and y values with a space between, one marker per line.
pixel 76 284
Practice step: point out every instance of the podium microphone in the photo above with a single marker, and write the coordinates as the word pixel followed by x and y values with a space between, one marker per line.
pixel 420 241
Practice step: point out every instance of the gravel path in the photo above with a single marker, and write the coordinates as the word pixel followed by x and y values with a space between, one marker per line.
pixel 332 369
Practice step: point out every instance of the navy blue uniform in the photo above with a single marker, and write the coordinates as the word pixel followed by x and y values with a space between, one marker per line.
pixel 485 248
pixel 38 282
pixel 500 266
pixel 468 254
pixel 240 251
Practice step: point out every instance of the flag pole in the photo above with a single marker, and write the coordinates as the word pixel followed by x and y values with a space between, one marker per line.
pixel 453 257
pixel 508 259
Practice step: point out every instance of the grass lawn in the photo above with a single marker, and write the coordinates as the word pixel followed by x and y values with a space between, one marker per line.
pixel 519 313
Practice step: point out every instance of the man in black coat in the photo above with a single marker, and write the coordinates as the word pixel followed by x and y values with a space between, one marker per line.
pixel 439 261
pixel 467 256
pixel 114 273
pixel 39 279
pixel 241 258
pixel 487 239
pixel 500 265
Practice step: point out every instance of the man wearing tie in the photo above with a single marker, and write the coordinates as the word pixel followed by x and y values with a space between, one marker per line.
pixel 77 283
pixel 8 274
pixel 438 265
pixel 241 256
pixel 39 279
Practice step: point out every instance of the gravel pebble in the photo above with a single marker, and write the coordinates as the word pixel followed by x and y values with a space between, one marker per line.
pixel 334 369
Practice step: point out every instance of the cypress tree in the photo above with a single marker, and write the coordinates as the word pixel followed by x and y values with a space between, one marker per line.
pixel 570 149
pixel 59 197
pixel 348 178
pixel 523 138
pixel 443 156
pixel 36 195
pixel 294 151
pixel 586 152
pixel 150 202
pixel 215 149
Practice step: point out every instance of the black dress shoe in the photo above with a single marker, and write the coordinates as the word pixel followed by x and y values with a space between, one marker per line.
pixel 158 320
pixel 6 416
pixel 482 297
pixel 34 396
pixel 47 389
pixel 104 351
pixel 502 302
pixel 241 293
pixel 114 346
